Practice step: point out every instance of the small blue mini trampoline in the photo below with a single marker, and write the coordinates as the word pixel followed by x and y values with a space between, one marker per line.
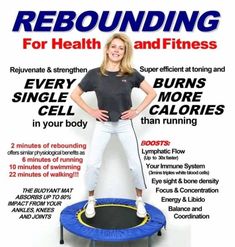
pixel 115 221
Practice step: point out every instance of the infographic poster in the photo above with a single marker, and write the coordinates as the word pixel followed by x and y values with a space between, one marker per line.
pixel 183 49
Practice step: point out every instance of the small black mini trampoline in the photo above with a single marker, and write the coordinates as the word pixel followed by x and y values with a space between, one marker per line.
pixel 115 221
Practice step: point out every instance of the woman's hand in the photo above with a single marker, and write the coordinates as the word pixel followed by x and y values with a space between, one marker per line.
pixel 101 115
pixel 130 114
pixel 150 95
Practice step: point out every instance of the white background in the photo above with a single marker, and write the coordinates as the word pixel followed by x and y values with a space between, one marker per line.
pixel 210 142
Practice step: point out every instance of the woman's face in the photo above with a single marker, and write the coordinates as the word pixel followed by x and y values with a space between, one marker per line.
pixel 116 50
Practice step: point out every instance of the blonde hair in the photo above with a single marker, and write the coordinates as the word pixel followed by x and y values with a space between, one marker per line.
pixel 125 65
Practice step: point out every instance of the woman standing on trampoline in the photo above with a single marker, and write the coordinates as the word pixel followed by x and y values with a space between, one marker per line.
pixel 113 82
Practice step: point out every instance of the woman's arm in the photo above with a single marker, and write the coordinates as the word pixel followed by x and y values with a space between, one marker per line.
pixel 76 94
pixel 150 95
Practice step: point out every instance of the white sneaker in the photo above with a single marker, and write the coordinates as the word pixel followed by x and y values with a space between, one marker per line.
pixel 90 207
pixel 141 211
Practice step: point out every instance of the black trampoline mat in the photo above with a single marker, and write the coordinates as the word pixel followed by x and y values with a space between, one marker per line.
pixel 113 217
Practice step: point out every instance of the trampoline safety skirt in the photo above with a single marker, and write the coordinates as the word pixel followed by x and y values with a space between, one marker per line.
pixel 115 221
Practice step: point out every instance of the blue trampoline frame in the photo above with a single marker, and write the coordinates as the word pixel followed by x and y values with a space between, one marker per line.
pixel 69 220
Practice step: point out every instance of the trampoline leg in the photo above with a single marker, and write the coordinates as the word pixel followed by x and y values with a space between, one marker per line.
pixel 61 234
pixel 149 241
pixel 92 243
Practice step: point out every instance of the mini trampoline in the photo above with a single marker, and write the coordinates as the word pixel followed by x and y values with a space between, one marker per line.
pixel 115 221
